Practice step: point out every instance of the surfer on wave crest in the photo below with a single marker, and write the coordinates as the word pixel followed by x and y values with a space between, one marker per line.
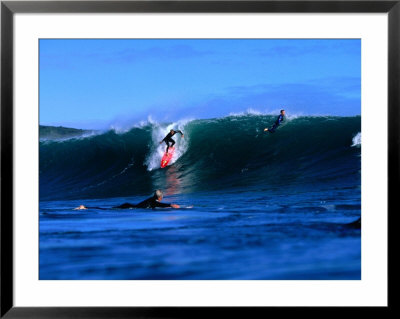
pixel 168 139
pixel 278 122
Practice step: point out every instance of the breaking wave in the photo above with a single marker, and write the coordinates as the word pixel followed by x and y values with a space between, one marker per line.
pixel 230 153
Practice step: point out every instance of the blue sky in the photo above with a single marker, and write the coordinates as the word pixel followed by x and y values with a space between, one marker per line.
pixel 101 83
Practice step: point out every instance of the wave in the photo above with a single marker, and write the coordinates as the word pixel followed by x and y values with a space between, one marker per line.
pixel 226 153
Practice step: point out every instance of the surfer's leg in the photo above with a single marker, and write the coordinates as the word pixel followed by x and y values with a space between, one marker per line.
pixel 170 141
pixel 272 129
pixel 167 142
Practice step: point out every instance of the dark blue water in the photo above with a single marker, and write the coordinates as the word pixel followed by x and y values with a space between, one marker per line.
pixel 274 206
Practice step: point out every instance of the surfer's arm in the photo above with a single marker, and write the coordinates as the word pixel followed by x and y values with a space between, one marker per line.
pixel 180 132
pixel 165 205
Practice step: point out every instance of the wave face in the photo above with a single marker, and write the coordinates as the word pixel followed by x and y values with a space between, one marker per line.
pixel 231 153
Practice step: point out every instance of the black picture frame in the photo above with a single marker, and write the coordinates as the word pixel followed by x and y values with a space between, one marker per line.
pixel 9 8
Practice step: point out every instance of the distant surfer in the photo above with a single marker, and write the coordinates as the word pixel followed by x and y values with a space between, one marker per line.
pixel 151 202
pixel 168 139
pixel 278 122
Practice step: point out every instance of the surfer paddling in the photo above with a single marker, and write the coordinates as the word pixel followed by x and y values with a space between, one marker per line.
pixel 151 202
pixel 278 122
pixel 168 139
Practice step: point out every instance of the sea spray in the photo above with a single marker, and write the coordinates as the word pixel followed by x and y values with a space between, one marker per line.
pixel 357 140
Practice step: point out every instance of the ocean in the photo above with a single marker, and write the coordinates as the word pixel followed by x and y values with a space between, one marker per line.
pixel 282 206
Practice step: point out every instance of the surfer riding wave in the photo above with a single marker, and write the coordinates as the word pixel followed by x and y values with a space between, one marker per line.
pixel 278 122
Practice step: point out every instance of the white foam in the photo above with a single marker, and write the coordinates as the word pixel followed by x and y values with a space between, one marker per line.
pixel 249 111
pixel 125 125
pixel 357 140
pixel 118 129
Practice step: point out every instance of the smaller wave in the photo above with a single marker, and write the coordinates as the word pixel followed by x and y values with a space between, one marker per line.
pixel 68 138
pixel 357 140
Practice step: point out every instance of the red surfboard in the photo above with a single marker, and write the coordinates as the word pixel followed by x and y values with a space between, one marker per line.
pixel 167 157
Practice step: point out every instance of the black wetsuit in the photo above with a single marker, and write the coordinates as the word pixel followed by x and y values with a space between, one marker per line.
pixel 151 202
pixel 168 139
pixel 278 122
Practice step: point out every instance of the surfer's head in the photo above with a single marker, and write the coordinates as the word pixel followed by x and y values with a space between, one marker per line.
pixel 172 131
pixel 283 112
pixel 158 194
